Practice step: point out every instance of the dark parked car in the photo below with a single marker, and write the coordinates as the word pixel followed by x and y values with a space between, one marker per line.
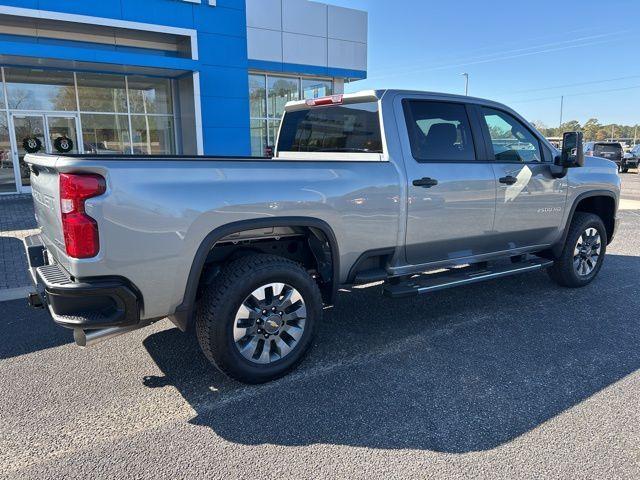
pixel 610 150
pixel 631 159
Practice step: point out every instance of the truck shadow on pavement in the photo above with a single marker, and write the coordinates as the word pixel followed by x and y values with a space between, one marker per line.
pixel 457 371
pixel 25 330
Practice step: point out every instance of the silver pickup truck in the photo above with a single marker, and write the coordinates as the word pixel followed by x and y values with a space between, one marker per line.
pixel 414 191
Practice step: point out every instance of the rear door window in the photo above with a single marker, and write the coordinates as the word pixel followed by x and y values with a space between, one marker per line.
pixel 336 128
pixel 439 131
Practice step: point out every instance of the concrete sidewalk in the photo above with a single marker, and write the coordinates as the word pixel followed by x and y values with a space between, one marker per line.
pixel 17 221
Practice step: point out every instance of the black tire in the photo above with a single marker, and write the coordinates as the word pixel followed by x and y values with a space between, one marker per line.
pixel 563 271
pixel 221 300
pixel 625 169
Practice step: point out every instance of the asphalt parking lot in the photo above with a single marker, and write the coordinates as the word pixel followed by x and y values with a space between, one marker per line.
pixel 515 378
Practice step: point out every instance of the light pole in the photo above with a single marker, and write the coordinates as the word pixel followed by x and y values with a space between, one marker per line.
pixel 466 83
pixel 561 109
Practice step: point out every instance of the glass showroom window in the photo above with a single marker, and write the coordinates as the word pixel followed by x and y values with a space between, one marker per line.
pixel 105 134
pixel 312 88
pixel 268 94
pixel 7 177
pixel 44 90
pixel 98 92
pixel 150 95
pixel 117 101
pixel 151 106
pixel 102 113
pixel 153 135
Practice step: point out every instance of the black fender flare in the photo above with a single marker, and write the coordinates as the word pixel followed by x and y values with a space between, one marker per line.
pixel 184 313
pixel 558 247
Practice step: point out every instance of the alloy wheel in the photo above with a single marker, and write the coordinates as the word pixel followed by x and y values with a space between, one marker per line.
pixel 269 323
pixel 587 252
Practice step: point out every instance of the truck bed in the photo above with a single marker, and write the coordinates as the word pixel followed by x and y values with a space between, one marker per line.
pixel 157 210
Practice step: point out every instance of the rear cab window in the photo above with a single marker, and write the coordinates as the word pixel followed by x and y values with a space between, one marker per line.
pixel 343 128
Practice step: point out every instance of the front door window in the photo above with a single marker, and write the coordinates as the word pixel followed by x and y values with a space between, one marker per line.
pixel 510 139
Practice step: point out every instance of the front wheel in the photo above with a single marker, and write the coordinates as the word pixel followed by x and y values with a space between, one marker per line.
pixel 583 252
pixel 256 322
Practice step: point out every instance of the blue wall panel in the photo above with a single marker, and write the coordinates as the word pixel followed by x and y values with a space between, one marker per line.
pixel 223 50
pixel 226 21
pixel 162 12
pixel 227 141
pixel 94 8
pixel 20 3
pixel 225 112
pixel 224 81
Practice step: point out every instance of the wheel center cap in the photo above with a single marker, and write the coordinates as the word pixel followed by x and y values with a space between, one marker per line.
pixel 272 324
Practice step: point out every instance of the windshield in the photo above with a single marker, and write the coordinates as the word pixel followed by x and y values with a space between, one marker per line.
pixel 335 128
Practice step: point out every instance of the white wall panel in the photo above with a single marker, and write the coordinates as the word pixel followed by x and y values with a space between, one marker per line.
pixel 305 17
pixel 264 14
pixel 304 49
pixel 349 55
pixel 348 24
pixel 264 44
pixel 307 33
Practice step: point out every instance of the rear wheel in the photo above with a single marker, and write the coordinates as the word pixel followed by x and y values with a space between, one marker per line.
pixel 583 252
pixel 257 320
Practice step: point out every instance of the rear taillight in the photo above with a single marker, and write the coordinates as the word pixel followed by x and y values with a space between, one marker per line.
pixel 331 100
pixel 80 230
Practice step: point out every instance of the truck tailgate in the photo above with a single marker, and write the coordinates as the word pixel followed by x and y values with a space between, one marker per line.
pixel 46 199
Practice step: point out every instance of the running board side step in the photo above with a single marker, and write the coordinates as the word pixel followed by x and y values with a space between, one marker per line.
pixel 456 277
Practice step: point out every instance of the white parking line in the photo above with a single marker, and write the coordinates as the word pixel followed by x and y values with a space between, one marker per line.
pixel 629 204
pixel 14 293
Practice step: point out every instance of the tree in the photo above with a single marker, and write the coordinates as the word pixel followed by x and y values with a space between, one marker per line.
pixel 591 128
pixel 570 126
pixel 540 126
pixel 602 134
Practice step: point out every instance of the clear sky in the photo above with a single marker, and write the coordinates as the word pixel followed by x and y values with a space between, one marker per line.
pixel 525 53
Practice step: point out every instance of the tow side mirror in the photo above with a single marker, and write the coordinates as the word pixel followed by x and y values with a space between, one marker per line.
pixel 572 151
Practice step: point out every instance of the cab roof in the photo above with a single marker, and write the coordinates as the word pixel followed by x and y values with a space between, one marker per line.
pixel 377 95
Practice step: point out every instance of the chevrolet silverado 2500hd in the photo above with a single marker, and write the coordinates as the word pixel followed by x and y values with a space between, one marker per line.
pixel 419 191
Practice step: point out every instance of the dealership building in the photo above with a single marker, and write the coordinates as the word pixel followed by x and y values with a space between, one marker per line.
pixel 163 77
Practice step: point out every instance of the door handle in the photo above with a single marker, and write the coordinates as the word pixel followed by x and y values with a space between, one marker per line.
pixel 509 180
pixel 425 182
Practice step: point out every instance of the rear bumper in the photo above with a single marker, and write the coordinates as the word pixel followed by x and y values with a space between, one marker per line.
pixel 88 304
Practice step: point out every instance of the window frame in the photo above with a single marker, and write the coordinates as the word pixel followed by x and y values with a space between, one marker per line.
pixel 546 156
pixel 478 140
